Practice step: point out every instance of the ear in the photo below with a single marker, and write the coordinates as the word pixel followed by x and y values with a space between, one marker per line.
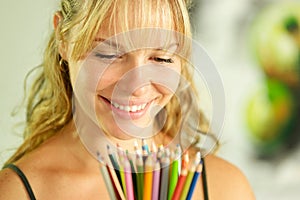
pixel 57 20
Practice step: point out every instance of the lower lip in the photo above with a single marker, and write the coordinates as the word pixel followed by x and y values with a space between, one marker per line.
pixel 125 114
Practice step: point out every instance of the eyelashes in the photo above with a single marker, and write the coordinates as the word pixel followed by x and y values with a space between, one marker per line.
pixel 107 56
pixel 163 60
pixel 111 57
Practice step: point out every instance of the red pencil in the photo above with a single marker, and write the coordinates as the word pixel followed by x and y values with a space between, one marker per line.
pixel 182 178
pixel 179 185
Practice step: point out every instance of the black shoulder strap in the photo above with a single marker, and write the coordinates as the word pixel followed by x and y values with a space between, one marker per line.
pixel 204 179
pixel 23 178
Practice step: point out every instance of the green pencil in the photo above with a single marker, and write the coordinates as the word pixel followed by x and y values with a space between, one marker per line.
pixel 140 176
pixel 173 178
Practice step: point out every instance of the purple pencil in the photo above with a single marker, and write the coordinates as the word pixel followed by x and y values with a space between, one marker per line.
pixel 156 181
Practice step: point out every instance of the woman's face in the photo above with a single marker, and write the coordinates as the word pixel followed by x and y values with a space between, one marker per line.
pixel 127 79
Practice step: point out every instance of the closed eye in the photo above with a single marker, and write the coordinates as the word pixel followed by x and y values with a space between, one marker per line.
pixel 163 60
pixel 107 56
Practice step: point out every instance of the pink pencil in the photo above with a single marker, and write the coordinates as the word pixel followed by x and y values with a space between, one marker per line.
pixel 128 180
pixel 156 181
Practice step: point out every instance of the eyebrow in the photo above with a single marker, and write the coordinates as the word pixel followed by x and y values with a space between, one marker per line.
pixel 108 42
pixel 114 44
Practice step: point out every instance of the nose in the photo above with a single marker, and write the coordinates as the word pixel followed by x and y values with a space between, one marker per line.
pixel 134 80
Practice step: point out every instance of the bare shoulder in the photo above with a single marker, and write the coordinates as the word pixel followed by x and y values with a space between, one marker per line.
pixel 226 181
pixel 11 186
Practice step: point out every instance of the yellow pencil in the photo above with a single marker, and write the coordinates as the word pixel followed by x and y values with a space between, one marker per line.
pixel 122 174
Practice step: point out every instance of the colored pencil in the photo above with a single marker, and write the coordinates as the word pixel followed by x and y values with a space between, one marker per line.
pixel 136 148
pixel 114 162
pixel 156 181
pixel 148 178
pixel 145 146
pixel 178 153
pixel 194 181
pixel 180 184
pixel 122 174
pixel 187 183
pixel 133 174
pixel 128 180
pixel 140 176
pixel 160 153
pixel 107 179
pixel 116 182
pixel 153 150
pixel 182 177
pixel 173 178
pixel 190 176
pixel 157 174
pixel 114 186
pixel 165 162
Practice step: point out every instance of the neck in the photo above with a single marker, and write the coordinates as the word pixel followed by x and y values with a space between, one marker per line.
pixel 79 153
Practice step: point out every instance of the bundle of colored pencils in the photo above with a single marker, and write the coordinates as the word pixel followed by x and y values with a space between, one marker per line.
pixel 150 175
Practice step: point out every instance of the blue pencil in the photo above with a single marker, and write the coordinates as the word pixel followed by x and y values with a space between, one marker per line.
pixel 194 181
pixel 145 146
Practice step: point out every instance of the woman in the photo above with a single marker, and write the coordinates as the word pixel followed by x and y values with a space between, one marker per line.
pixel 113 71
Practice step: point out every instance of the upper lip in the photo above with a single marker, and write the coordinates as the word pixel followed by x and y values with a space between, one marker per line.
pixel 129 102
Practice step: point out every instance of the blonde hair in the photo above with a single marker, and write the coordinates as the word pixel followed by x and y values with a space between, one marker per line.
pixel 49 105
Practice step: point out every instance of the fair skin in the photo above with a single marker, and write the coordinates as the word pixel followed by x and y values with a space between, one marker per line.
pixel 62 168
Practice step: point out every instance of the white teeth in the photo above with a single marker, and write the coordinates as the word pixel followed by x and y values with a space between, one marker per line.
pixel 127 108
pixel 133 108
pixel 139 107
pixel 115 105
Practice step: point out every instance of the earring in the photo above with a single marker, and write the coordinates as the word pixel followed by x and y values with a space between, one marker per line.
pixel 61 62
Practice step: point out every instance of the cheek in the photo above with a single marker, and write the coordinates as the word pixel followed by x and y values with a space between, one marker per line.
pixel 73 71
pixel 163 90
pixel 108 79
pixel 88 76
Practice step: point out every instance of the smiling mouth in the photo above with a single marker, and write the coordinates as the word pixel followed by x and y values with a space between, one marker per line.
pixel 132 108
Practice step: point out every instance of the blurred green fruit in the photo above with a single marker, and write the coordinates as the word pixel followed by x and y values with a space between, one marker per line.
pixel 275 39
pixel 270 116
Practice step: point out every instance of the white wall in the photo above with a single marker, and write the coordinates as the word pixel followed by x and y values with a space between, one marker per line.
pixel 24 29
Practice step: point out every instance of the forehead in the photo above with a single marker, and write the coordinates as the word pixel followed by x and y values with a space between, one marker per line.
pixel 143 38
pixel 139 24
pixel 132 15
pixel 124 16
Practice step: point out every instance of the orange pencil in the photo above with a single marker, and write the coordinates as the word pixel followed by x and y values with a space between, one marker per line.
pixel 148 178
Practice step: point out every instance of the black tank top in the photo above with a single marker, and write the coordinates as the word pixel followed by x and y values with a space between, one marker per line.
pixel 32 197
